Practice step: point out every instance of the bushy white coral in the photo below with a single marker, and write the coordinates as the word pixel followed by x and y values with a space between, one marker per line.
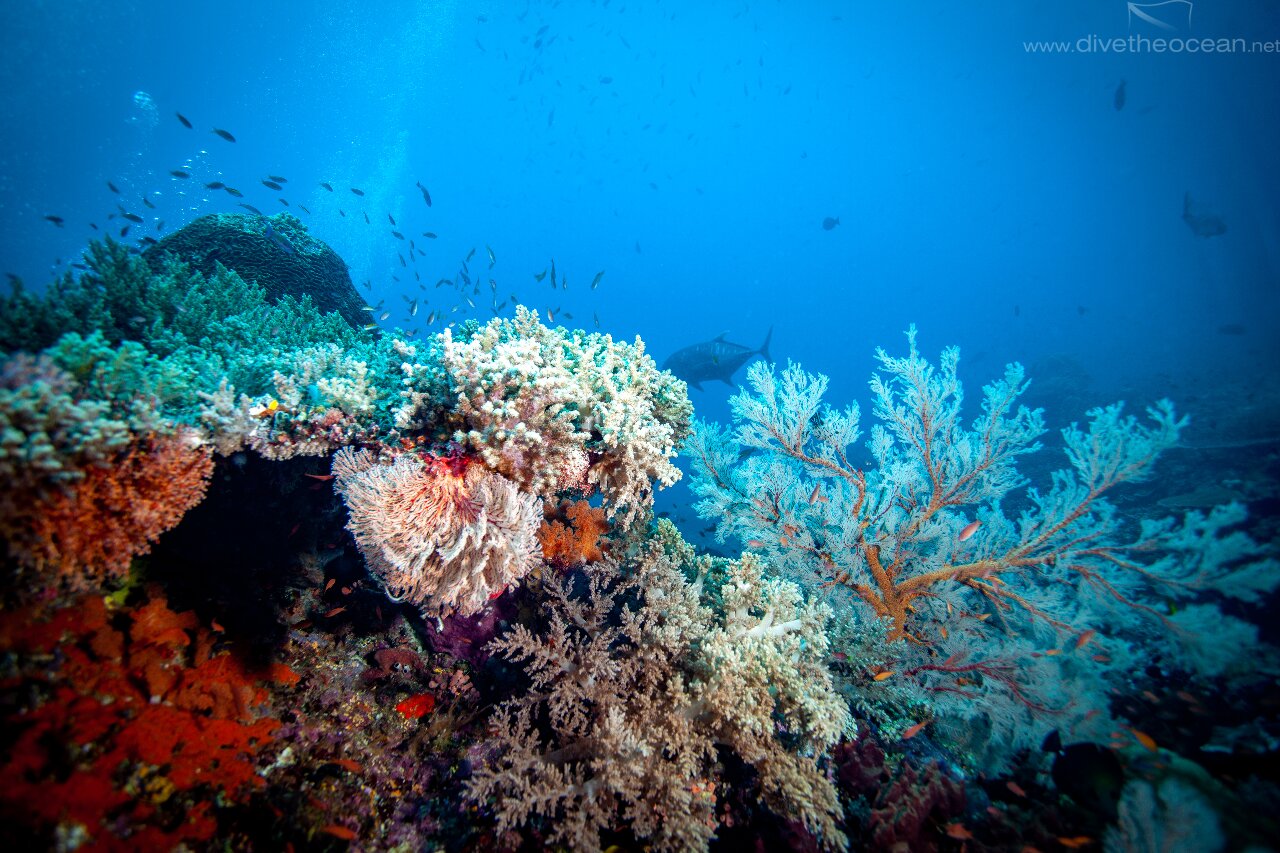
pixel 536 401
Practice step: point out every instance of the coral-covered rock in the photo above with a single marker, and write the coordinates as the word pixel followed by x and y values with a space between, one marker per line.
pixel 284 260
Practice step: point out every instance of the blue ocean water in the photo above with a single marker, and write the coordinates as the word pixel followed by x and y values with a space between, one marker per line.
pixel 1044 183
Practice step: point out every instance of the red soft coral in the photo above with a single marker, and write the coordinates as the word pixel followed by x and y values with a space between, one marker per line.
pixel 571 535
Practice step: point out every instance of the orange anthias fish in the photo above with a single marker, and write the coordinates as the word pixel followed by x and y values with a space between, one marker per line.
pixel 969 529
pixel 881 676
pixel 1145 739
pixel 1015 788
pixel 915 730
pixel 958 831
pixel 1075 842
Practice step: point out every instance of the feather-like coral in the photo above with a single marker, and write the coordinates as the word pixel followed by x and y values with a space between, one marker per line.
pixel 444 539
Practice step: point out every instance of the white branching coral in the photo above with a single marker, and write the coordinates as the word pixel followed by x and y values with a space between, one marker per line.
pixel 640 682
pixel 536 402
pixel 923 540
pixel 444 540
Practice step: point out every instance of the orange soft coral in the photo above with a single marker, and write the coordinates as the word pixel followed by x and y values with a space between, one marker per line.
pixel 114 513
pixel 575 539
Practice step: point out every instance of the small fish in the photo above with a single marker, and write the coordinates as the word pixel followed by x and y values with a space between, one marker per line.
pixel 392 218
pixel 830 222
pixel 217 629
pixel 915 730
pixel 492 258
pixel 328 585
pixel 347 764
pixel 968 530
pixel 251 209
pixel 224 134
pixel 1075 842
pixel 426 196
pixel 233 192
pixel 278 179
pixel 112 187
pixel 178 173
pixel 272 185
pixel 335 611
pixel 430 235
pixel 357 191
pixel 185 122
pixel 817 490
pixel 385 315
pixel 303 208
pixel 366 219
pixel 1082 639
pixel 1145 739
pixel 337 830
pixel 470 255
pixel 1120 98
pixel 417 706
pixel 595 282
pixel 148 203
pixel 1015 788
pixel 881 676
pixel 132 217
pixel 327 185
pixel 957 831
pixel 215 185
pixel 342 213
pixel 397 235
pixel 369 327
pixel 540 276
pixel 58 220
pixel 283 201
pixel 123 231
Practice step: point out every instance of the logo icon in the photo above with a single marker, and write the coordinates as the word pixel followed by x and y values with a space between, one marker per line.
pixel 1169 15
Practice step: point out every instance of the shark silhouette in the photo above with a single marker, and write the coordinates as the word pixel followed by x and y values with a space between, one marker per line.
pixel 714 359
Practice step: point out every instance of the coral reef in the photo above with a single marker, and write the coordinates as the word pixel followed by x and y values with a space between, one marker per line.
pixel 639 684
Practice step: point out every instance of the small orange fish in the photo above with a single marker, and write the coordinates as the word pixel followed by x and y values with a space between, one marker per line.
pixel 1051 652
pixel 217 629
pixel 1075 842
pixel 983 617
pixel 1151 697
pixel 347 764
pixel 1015 788
pixel 496 594
pixel 1102 658
pixel 840 656
pixel 1185 696
pixel 915 730
pixel 1145 739
pixel 329 584
pixel 322 477
pixel 817 490
pixel 339 831
pixel 754 543
pixel 958 831
pixel 334 612
pixel 346 590
pixel 1084 638
pixel 969 529
pixel 943 632
pixel 881 676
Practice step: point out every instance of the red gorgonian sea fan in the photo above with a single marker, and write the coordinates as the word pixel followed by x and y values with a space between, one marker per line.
pixel 430 533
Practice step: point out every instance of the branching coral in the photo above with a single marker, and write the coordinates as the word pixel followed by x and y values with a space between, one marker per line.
pixel 432 534
pixel 553 411
pixel 639 683
pixel 901 540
